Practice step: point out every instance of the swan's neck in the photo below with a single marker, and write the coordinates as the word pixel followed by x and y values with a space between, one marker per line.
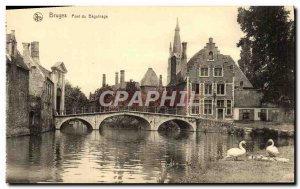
pixel 241 146
pixel 272 143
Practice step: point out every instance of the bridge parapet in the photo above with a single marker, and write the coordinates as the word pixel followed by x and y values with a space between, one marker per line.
pixel 154 119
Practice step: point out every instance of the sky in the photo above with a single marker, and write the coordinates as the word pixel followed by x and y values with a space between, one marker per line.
pixel 130 38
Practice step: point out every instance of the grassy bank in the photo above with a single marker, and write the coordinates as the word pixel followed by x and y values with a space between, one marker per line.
pixel 245 171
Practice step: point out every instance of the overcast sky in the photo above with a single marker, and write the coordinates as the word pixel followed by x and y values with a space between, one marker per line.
pixel 131 38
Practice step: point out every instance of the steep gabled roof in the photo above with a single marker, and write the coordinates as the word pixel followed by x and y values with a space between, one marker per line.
pixel 240 76
pixel 20 62
pixel 150 78
pixel 46 72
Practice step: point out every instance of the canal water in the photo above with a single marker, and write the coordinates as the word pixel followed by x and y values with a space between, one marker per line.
pixel 76 155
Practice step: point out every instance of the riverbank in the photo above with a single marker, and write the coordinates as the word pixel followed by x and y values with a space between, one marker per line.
pixel 244 171
pixel 266 125
pixel 260 127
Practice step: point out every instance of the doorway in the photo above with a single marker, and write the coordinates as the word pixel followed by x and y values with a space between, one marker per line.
pixel 220 113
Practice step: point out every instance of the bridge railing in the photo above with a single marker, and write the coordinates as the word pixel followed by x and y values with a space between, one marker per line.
pixel 149 109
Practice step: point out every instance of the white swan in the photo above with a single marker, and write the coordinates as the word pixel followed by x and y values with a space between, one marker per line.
pixel 272 150
pixel 236 152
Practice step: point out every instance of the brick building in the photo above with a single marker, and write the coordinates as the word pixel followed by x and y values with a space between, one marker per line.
pixel 222 91
pixel 214 77
pixel 17 90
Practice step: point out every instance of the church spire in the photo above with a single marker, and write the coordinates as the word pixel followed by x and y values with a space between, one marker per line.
pixel 170 49
pixel 177 41
pixel 177 25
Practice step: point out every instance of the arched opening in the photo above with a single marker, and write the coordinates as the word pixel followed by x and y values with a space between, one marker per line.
pixel 210 55
pixel 58 98
pixel 128 122
pixel 175 125
pixel 76 126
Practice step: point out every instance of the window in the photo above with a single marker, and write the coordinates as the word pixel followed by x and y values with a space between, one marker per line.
pixel 207 107
pixel 195 87
pixel 221 89
pixel 210 55
pixel 204 72
pixel 245 114
pixel 196 101
pixel 208 89
pixel 220 103
pixel 195 107
pixel 218 72
pixel 228 110
pixel 241 84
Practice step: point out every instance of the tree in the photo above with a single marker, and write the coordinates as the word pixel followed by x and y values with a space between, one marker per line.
pixel 245 61
pixel 75 99
pixel 271 64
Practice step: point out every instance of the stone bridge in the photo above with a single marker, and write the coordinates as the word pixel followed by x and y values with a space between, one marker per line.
pixel 152 120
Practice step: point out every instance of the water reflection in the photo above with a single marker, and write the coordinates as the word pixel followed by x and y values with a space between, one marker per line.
pixel 117 156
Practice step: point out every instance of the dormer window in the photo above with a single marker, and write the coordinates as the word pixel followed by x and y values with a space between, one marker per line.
pixel 210 55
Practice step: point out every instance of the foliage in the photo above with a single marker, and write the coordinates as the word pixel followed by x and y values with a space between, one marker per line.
pixel 268 51
pixel 245 61
pixel 74 98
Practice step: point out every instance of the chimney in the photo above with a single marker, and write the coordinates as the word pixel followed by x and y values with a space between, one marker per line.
pixel 12 44
pixel 116 78
pixel 26 51
pixel 35 51
pixel 103 80
pixel 160 80
pixel 122 79
pixel 183 56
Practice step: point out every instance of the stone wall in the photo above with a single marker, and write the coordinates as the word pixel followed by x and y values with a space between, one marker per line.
pixel 36 82
pixel 17 83
pixel 40 91
pixel 41 119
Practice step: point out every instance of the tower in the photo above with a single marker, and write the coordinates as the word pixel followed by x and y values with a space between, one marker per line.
pixel 177 41
pixel 177 54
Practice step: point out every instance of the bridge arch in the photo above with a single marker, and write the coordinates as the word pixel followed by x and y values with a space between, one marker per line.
pixel 86 122
pixel 182 124
pixel 145 124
